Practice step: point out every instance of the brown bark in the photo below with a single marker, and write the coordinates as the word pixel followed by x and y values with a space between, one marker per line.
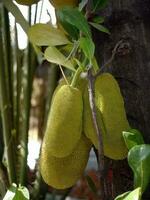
pixel 128 20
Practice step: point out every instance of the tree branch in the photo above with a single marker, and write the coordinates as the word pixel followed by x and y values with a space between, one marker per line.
pixel 101 163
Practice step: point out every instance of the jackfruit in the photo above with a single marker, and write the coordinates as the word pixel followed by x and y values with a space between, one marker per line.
pixel 111 117
pixel 59 3
pixel 27 2
pixel 64 125
pixel 62 173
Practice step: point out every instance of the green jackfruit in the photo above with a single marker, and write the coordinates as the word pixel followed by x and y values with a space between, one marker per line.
pixel 64 124
pixel 64 172
pixel 27 2
pixel 111 117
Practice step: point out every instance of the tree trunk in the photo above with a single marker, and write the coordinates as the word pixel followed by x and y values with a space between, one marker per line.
pixel 128 20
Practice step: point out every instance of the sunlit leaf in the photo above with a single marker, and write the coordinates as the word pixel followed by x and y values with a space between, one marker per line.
pixel 74 17
pixel 11 192
pixel 22 194
pixel 47 35
pixel 14 193
pixel 139 161
pixel 131 195
pixel 132 137
pixel 82 4
pixel 87 46
pixel 100 27
pixel 53 55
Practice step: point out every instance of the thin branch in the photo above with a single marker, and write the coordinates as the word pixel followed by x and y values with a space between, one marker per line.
pixel 101 163
pixel 109 62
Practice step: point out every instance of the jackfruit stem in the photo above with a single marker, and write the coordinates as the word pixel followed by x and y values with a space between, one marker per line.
pixel 76 77
pixel 63 75
pixel 101 162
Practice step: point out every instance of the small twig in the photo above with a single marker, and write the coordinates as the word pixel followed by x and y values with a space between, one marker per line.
pixel 101 163
pixel 109 62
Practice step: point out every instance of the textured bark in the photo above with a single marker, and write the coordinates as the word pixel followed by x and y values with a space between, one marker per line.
pixel 128 20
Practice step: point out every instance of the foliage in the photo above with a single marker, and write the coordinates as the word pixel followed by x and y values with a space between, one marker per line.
pixel 68 44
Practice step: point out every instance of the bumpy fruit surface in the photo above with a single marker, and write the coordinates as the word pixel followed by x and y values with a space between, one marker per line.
pixel 27 2
pixel 61 3
pixel 64 172
pixel 111 117
pixel 64 124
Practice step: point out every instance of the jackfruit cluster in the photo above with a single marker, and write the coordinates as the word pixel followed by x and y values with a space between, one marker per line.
pixel 70 132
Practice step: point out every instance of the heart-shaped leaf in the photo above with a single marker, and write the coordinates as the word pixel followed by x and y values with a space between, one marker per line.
pixel 139 161
pixel 74 17
pixel 53 55
pixel 132 137
pixel 47 35
pixel 131 195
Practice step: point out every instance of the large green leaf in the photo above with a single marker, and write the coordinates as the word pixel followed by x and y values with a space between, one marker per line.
pixel 133 195
pixel 72 31
pixel 47 35
pixel 14 193
pixel 53 55
pixel 76 18
pixel 132 137
pixel 88 47
pixel 139 161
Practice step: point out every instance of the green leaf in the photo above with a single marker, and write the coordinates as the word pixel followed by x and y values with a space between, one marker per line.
pixel 53 55
pixel 98 19
pixel 47 35
pixel 132 137
pixel 22 194
pixel 131 195
pixel 91 184
pixel 82 4
pixel 95 64
pixel 72 31
pixel 88 47
pixel 139 161
pixel 97 4
pixel 74 17
pixel 11 7
pixel 11 192
pixel 100 27
pixel 15 193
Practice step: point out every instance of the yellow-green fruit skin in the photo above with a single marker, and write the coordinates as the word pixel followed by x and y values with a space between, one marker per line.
pixel 27 2
pixel 62 173
pixel 111 117
pixel 60 3
pixel 64 124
